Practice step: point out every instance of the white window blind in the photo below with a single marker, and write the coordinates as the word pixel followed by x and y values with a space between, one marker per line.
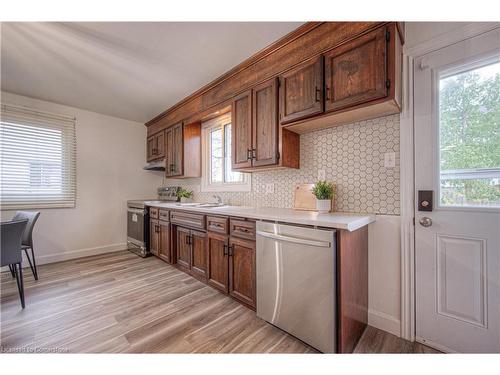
pixel 38 159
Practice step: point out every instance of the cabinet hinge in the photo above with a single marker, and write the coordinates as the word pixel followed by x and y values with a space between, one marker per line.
pixel 388 83
pixel 278 155
pixel 413 221
pixel 387 35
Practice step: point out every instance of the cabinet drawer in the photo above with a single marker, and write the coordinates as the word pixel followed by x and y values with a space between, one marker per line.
pixel 217 224
pixel 242 228
pixel 164 215
pixel 153 213
pixel 188 219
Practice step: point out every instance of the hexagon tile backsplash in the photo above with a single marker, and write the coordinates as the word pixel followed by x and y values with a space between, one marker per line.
pixel 352 157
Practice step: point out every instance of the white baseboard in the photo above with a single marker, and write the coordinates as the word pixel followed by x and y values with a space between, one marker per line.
pixel 384 322
pixel 74 254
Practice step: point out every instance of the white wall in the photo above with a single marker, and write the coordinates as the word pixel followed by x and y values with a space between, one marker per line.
pixel 110 156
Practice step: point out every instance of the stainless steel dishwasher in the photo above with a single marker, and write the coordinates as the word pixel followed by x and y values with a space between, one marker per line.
pixel 296 276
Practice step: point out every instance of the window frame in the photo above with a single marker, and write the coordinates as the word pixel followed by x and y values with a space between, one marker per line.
pixel 206 184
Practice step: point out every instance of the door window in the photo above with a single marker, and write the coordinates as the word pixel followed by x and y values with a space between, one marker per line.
pixel 469 137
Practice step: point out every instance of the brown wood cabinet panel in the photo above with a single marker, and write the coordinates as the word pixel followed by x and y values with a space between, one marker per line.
pixel 265 123
pixel 352 284
pixel 199 256
pixel 188 219
pixel 301 91
pixel 175 150
pixel 242 270
pixel 160 145
pixel 154 237
pixel 356 72
pixel 183 248
pixel 241 131
pixel 242 228
pixel 155 146
pixel 153 213
pixel 191 150
pixel 164 251
pixel 217 224
pixel 218 261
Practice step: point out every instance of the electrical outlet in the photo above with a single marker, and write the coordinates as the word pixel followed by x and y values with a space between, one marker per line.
pixel 321 175
pixel 390 159
pixel 269 188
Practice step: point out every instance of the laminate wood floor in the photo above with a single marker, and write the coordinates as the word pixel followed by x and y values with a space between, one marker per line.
pixel 120 303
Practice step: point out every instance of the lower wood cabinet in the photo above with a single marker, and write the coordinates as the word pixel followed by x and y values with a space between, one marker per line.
pixel 159 239
pixel 191 251
pixel 242 270
pixel 218 261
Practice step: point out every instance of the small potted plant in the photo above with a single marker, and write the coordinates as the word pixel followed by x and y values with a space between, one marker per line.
pixel 185 195
pixel 324 193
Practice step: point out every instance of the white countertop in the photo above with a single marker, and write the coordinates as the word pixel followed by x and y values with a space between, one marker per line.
pixel 338 220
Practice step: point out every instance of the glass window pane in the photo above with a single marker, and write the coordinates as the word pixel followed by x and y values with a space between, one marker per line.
pixel 216 156
pixel 469 134
pixel 230 176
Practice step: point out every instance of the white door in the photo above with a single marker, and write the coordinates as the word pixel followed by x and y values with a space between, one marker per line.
pixel 457 157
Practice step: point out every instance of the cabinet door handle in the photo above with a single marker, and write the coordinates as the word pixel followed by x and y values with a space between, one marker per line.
pixel 249 154
pixel 253 153
pixel 327 93
pixel 317 94
pixel 187 240
pixel 225 249
pixel 172 167
pixel 230 250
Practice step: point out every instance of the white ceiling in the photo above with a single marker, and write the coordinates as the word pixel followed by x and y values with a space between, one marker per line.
pixel 128 70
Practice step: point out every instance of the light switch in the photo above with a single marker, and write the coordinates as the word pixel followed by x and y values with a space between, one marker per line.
pixel 321 175
pixel 269 188
pixel 390 159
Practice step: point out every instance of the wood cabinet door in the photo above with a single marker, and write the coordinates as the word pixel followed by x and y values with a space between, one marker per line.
pixel 183 247
pixel 265 123
pixel 218 261
pixel 356 72
pixel 199 261
pixel 160 145
pixel 154 236
pixel 301 91
pixel 150 148
pixel 242 270
pixel 174 152
pixel 164 241
pixel 241 131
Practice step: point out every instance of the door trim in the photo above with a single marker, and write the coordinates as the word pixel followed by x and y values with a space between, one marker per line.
pixel 407 166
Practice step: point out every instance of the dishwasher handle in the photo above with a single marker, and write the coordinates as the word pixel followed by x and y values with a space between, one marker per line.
pixel 302 241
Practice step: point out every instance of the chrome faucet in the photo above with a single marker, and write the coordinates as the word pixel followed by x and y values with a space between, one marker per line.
pixel 219 199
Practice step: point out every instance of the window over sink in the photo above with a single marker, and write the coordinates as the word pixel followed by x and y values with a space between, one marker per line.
pixel 217 174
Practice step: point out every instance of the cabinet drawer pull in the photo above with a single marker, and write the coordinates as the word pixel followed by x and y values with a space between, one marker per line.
pixel 244 230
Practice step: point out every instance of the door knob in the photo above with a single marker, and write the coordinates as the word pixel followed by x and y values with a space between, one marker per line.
pixel 425 221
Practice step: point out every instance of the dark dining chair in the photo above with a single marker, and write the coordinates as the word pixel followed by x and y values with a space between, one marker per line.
pixel 27 243
pixel 11 235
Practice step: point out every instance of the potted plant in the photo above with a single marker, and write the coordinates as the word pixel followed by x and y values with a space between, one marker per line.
pixel 185 195
pixel 324 193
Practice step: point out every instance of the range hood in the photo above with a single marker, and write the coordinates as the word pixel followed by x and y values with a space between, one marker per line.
pixel 157 165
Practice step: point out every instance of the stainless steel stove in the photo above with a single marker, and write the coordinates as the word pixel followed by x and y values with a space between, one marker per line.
pixel 138 220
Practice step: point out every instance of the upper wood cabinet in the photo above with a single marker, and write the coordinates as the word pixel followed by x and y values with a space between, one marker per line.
pixel 265 124
pixel 257 140
pixel 356 72
pixel 301 91
pixel 241 131
pixel 183 150
pixel 156 146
